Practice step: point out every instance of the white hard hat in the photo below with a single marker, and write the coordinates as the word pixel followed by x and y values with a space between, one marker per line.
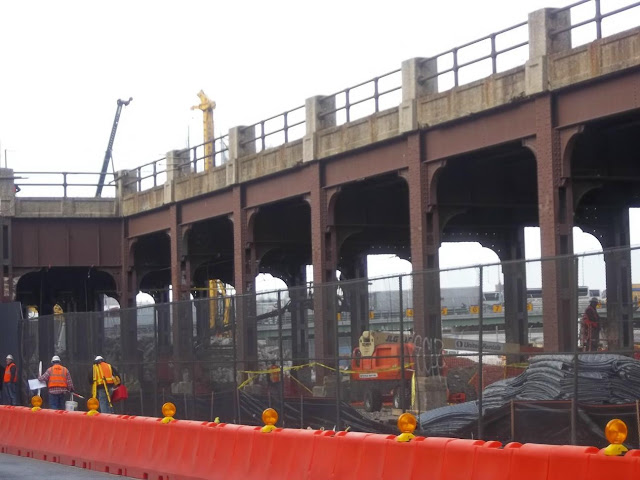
pixel 98 359
pixel 9 357
pixel 55 358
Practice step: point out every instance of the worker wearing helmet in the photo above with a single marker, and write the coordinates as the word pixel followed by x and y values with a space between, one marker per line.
pixel 590 327
pixel 10 382
pixel 103 378
pixel 59 383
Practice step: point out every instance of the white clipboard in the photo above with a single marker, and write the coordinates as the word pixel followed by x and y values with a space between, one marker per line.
pixel 35 384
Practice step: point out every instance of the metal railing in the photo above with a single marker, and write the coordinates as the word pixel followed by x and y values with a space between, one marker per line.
pixel 596 19
pixel 278 129
pixel 51 182
pixel 369 92
pixel 463 56
pixel 220 155
pixel 149 175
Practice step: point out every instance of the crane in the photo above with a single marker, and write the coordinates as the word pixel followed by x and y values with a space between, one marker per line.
pixel 112 137
pixel 207 106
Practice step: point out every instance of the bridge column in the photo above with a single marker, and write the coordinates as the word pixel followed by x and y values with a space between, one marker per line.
pixel 299 322
pixel 181 310
pixel 514 270
pixel 128 286
pixel 357 296
pixel 425 241
pixel 324 257
pixel 618 326
pixel 245 266
pixel 555 202
pixel 8 207
pixel 555 216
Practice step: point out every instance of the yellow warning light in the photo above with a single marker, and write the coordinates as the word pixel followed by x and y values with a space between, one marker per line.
pixel 168 409
pixel 92 406
pixel 36 403
pixel 616 432
pixel 407 425
pixel 270 418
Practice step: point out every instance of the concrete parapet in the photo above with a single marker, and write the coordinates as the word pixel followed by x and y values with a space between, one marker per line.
pixel 602 57
pixel 28 207
pixel 419 78
pixel 7 193
pixel 317 118
pixel 240 145
pixel 542 42
pixel 178 166
pixel 126 183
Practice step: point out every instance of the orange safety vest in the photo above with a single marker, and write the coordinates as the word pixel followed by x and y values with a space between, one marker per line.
pixel 7 374
pixel 104 371
pixel 58 376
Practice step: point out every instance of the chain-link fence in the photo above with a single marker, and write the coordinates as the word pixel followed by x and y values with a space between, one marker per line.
pixel 475 352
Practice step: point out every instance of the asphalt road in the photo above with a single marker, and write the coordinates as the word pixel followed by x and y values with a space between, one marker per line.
pixel 18 468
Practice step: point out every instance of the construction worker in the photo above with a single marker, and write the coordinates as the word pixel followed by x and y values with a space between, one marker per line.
pixel 590 327
pixel 103 378
pixel 59 383
pixel 10 382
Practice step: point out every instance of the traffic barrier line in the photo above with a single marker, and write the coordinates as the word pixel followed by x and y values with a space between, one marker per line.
pixel 146 448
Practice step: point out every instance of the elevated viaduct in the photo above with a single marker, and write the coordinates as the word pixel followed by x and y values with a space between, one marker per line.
pixel 551 143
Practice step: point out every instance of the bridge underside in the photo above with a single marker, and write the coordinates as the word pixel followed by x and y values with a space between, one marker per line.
pixel 557 159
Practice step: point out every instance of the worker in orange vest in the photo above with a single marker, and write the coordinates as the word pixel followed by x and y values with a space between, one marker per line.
pixel 59 383
pixel 10 381
pixel 103 379
pixel 590 327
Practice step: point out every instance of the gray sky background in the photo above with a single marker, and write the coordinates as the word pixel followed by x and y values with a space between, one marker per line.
pixel 64 64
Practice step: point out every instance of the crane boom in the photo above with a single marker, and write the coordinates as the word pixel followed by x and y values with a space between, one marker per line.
pixel 108 153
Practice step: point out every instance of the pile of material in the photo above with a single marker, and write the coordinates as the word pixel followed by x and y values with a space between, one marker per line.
pixel 602 379
pixel 446 421
pixel 606 379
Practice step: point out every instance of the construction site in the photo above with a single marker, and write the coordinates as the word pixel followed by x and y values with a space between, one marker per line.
pixel 520 350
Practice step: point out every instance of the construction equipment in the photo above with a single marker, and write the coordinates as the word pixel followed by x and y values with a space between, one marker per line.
pixel 108 153
pixel 206 105
pixel 376 369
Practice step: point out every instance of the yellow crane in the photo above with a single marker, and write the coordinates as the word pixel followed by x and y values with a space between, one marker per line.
pixel 207 106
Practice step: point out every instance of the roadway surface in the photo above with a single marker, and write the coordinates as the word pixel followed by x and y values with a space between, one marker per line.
pixel 17 468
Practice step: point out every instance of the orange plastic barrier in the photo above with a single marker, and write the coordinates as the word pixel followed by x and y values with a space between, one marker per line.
pixel 143 447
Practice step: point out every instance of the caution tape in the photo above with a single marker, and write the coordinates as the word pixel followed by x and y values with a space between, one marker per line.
pixel 253 374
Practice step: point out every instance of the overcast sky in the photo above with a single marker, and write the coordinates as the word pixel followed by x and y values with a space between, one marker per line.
pixel 65 63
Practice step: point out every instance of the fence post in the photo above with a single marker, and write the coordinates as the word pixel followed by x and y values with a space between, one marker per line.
pixel 480 340
pixel 403 394
pixel 574 401
pixel 281 355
